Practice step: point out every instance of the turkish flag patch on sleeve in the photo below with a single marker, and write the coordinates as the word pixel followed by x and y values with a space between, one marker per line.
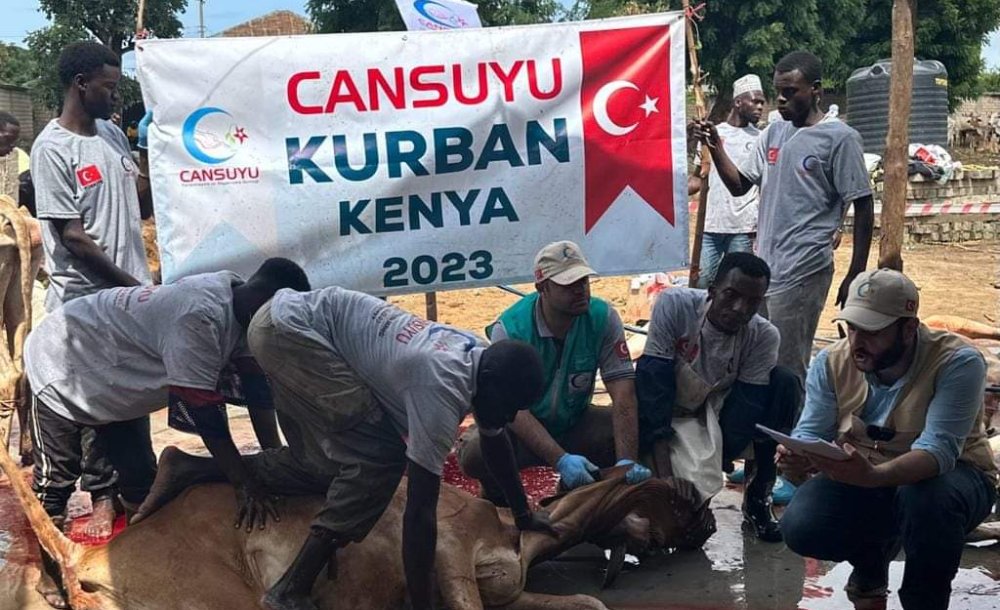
pixel 88 175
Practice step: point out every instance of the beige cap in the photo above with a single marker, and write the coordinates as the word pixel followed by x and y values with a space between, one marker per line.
pixel 878 298
pixel 562 262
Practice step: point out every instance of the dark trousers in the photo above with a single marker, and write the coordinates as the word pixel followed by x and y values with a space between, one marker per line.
pixel 838 522
pixel 59 447
pixel 739 416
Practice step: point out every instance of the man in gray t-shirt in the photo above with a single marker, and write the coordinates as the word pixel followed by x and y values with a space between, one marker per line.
pixel 365 391
pixel 809 167
pixel 86 185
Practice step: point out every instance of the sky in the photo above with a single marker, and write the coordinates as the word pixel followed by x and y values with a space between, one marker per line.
pixel 23 16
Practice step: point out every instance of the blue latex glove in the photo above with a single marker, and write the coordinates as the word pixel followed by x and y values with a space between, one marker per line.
pixel 637 474
pixel 143 139
pixel 575 470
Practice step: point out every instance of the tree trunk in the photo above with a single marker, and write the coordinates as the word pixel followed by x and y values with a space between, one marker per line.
pixel 893 214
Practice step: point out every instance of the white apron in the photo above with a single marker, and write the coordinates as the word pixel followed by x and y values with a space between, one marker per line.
pixel 696 447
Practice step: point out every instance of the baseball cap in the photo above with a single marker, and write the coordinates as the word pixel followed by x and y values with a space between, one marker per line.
pixel 878 298
pixel 562 262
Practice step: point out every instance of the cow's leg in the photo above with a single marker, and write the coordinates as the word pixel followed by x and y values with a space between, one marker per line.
pixel 542 601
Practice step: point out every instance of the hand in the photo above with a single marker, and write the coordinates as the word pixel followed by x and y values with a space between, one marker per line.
pixel 575 470
pixel 794 467
pixel 536 522
pixel 637 473
pixel 143 138
pixel 253 506
pixel 705 132
pixel 845 288
pixel 857 470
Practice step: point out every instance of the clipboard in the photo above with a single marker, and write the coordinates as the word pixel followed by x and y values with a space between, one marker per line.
pixel 821 448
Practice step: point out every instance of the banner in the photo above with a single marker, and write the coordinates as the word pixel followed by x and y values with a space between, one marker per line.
pixel 409 162
pixel 438 14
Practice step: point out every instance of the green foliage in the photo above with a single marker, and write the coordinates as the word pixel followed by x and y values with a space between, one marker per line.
pixel 989 81
pixel 45 45
pixel 739 36
pixel 337 16
pixel 17 65
pixel 113 21
pixel 950 31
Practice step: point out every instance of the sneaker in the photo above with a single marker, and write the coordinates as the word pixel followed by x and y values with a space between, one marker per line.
pixel 783 492
pixel 737 476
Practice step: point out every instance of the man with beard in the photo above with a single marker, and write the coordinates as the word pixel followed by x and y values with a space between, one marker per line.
pixel 906 404
pixel 707 377
pixel 575 334
pixel 809 168
pixel 731 221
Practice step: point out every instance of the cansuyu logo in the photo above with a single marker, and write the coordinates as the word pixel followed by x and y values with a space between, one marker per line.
pixel 439 14
pixel 211 135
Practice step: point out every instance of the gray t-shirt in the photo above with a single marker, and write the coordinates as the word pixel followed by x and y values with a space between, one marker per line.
pixel 614 359
pixel 727 213
pixel 806 176
pixel 93 179
pixel 112 355
pixel 422 373
pixel 679 331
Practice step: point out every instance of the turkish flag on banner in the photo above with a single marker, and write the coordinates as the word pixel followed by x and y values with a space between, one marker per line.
pixel 625 97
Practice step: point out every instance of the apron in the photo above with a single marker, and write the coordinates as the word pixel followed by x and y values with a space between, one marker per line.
pixel 696 447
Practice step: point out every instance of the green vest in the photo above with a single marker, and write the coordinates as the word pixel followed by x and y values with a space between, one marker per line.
pixel 570 375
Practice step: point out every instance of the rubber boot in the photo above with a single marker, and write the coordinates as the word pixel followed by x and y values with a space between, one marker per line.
pixel 761 473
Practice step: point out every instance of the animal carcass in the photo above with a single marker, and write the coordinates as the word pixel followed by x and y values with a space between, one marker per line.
pixel 188 555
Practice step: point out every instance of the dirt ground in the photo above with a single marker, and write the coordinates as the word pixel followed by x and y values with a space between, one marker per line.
pixel 953 279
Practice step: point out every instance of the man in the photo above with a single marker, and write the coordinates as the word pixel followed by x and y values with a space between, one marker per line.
pixel 575 334
pixel 10 131
pixel 109 359
pixel 87 201
pixel 364 391
pixel 906 404
pixel 707 377
pixel 808 168
pixel 86 184
pixel 731 221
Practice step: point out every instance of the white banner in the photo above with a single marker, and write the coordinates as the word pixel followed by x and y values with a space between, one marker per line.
pixel 438 14
pixel 401 162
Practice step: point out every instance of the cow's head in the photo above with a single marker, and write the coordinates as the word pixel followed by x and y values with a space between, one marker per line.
pixel 657 513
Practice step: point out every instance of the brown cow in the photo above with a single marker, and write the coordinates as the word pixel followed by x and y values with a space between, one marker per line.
pixel 188 555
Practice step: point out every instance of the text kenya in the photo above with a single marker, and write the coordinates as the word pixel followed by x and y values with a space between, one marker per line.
pixel 420 87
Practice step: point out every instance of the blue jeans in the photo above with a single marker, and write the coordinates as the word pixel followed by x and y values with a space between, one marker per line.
pixel 838 522
pixel 716 245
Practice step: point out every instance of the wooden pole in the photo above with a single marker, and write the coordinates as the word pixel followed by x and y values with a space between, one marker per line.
pixel 897 143
pixel 431 303
pixel 706 161
pixel 139 16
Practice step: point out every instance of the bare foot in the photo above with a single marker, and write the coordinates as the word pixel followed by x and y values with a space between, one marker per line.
pixel 276 601
pixel 102 519
pixel 175 472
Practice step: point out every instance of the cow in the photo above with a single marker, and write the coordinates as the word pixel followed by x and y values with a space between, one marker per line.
pixel 189 555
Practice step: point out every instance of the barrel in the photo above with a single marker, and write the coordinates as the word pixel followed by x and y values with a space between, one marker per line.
pixel 868 104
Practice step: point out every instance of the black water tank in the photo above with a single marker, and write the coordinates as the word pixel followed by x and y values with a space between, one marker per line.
pixel 868 104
